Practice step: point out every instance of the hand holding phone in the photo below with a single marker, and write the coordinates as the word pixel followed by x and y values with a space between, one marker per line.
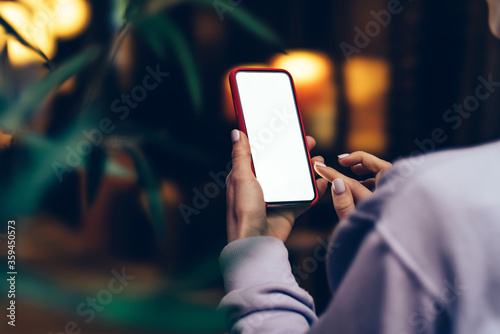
pixel 280 159
pixel 267 112
pixel 247 214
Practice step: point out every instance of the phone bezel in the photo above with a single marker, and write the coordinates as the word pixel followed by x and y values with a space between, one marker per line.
pixel 242 127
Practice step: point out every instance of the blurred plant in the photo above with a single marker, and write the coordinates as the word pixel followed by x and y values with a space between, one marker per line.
pixel 22 191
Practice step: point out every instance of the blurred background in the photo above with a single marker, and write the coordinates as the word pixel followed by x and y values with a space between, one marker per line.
pixel 115 120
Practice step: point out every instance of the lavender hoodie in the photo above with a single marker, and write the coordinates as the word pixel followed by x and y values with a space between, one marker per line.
pixel 422 255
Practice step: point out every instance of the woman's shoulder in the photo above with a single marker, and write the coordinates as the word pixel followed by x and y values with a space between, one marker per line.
pixel 465 165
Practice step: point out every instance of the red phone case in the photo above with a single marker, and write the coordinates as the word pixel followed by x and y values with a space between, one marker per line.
pixel 242 127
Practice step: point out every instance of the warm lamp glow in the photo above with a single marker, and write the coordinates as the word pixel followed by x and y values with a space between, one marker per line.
pixel 19 55
pixel 41 23
pixel 367 82
pixel 20 18
pixel 366 79
pixel 5 140
pixel 311 72
pixel 305 66
pixel 3 38
pixel 71 18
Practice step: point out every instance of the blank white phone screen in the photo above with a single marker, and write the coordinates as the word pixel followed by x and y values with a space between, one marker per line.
pixel 278 151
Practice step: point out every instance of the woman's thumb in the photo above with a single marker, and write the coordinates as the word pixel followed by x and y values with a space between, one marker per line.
pixel 342 198
pixel 241 155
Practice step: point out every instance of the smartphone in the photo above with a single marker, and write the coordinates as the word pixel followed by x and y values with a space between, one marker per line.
pixel 267 112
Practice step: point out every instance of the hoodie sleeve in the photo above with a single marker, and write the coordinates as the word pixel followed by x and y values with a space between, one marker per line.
pixel 262 294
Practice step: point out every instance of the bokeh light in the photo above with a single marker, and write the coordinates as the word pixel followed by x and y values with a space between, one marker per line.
pixel 305 66
pixel 366 80
pixel 21 19
pixel 367 83
pixel 73 16
pixel 65 18
pixel 41 23
pixel 311 72
pixel 3 38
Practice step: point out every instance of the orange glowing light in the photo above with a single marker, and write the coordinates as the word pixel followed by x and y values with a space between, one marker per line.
pixel 5 140
pixel 367 82
pixel 3 38
pixel 305 66
pixel 311 71
pixel 20 18
pixel 312 74
pixel 72 17
pixel 68 86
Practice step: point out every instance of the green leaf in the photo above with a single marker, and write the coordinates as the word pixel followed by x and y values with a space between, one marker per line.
pixel 33 96
pixel 134 8
pixel 161 311
pixel 149 182
pixel 95 164
pixel 156 6
pixel 245 19
pixel 150 30
pixel 45 165
pixel 159 30
pixel 11 31
pixel 5 86
pixel 180 46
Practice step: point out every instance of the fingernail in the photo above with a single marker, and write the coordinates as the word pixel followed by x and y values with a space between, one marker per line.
pixel 357 165
pixel 338 186
pixel 320 164
pixel 235 136
pixel 342 156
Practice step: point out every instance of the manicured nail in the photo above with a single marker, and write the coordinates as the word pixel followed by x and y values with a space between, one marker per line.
pixel 320 164
pixel 235 136
pixel 338 186
pixel 342 156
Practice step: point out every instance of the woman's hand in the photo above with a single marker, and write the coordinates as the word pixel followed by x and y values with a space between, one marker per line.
pixel 246 209
pixel 347 191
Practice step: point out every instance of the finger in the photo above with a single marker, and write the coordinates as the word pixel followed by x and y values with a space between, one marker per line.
pixel 318 158
pixel 241 156
pixel 322 184
pixel 368 161
pixel 343 200
pixel 358 190
pixel 369 184
pixel 311 142
pixel 358 169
